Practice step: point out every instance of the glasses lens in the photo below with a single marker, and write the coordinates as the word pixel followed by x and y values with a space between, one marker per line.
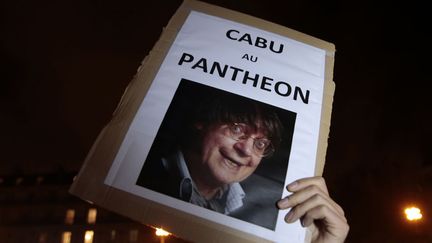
pixel 237 130
pixel 261 146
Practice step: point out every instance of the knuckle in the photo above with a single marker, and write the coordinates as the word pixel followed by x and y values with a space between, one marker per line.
pixel 322 209
pixel 347 228
pixel 298 210
pixel 312 189
pixel 341 210
pixel 321 181
pixel 294 201
pixel 317 198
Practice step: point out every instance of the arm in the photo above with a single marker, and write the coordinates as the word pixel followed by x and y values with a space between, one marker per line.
pixel 310 202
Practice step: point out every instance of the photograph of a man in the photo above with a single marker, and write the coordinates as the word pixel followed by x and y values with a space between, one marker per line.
pixel 209 145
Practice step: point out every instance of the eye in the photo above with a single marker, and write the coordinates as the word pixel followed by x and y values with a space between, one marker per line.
pixel 237 129
pixel 261 144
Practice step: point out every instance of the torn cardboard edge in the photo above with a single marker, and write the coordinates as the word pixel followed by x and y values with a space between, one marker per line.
pixel 89 184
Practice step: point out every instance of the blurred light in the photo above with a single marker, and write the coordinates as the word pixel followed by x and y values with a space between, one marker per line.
pixel 88 237
pixel 70 215
pixel 91 216
pixel 66 237
pixel 161 232
pixel 413 213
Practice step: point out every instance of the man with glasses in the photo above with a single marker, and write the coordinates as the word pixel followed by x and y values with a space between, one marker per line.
pixel 219 142
pixel 222 143
pixel 229 141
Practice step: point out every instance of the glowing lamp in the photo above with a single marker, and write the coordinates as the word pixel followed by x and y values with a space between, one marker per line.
pixel 161 232
pixel 413 214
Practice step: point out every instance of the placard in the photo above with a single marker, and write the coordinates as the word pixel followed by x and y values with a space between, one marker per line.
pixel 225 111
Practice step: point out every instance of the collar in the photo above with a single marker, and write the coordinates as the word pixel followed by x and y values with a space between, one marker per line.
pixel 227 199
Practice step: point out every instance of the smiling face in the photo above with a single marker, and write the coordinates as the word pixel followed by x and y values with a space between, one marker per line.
pixel 226 138
pixel 223 159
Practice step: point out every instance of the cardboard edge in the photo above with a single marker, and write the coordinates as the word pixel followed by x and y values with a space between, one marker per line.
pixel 326 111
pixel 103 152
pixel 258 23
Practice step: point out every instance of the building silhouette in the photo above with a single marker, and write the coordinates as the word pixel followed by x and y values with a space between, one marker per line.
pixel 39 209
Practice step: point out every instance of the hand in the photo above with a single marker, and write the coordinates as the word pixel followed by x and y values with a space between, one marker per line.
pixel 310 202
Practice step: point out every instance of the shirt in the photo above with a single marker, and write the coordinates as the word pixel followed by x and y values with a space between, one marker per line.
pixel 227 199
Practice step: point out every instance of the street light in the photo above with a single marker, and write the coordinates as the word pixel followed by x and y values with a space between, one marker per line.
pixel 162 234
pixel 413 214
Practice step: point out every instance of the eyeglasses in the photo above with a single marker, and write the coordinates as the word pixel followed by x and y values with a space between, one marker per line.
pixel 262 147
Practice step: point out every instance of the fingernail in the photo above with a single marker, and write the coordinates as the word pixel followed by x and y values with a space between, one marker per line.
pixel 283 203
pixel 305 222
pixel 289 217
pixel 292 185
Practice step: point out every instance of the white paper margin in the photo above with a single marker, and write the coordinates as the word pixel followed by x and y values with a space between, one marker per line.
pixel 204 36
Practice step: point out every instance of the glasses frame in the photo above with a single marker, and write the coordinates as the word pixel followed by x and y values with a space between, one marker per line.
pixel 268 151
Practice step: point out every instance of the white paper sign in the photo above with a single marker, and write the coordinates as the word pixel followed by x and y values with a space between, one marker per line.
pixel 211 57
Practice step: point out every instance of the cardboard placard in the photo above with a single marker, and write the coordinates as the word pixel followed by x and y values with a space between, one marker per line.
pixel 207 56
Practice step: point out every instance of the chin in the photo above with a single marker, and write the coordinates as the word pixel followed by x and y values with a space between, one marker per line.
pixel 224 181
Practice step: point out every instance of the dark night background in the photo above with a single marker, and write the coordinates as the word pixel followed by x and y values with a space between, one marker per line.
pixel 64 66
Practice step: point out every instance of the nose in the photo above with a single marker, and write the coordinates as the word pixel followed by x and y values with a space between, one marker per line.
pixel 245 147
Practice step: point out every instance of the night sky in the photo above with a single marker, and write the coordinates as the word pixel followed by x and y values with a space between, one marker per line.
pixel 65 65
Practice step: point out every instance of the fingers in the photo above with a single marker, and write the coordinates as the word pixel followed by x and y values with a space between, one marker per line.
pixel 304 202
pixel 322 212
pixel 308 193
pixel 317 181
pixel 331 225
pixel 310 202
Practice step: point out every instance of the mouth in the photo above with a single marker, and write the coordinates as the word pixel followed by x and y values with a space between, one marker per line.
pixel 230 162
